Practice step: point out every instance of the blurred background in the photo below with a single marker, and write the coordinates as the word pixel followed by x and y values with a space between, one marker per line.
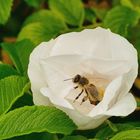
pixel 26 23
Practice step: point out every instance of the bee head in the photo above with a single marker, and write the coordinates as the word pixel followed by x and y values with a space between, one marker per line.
pixel 77 78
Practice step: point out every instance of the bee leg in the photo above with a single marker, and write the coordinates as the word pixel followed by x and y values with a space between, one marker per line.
pixel 84 99
pixel 86 91
pixel 76 87
pixel 78 95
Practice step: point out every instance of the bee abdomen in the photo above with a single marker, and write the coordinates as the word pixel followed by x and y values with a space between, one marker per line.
pixel 94 102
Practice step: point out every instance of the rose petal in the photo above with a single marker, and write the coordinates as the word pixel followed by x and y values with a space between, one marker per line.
pixel 56 100
pixel 99 43
pixel 118 88
pixel 95 122
pixel 82 121
pixel 35 73
pixel 58 68
pixel 123 107
pixel 114 92
pixel 86 42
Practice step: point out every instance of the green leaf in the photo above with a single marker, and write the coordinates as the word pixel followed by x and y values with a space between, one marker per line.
pixel 127 3
pixel 127 135
pixel 19 53
pixel 106 132
pixel 25 100
pixel 5 9
pixel 7 70
pixel 134 38
pixel 90 15
pixel 136 2
pixel 100 13
pixel 36 136
pixel 74 138
pixel 133 4
pixel 72 11
pixel 87 133
pixel 34 3
pixel 11 88
pixel 43 30
pixel 31 119
pixel 45 16
pixel 137 46
pixel 138 103
pixel 94 139
pixel 115 2
pixel 118 19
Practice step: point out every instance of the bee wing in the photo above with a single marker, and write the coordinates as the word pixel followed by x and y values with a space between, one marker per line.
pixel 92 92
pixel 98 81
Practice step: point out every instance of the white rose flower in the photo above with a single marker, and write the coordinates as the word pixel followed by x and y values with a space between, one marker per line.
pixel 107 60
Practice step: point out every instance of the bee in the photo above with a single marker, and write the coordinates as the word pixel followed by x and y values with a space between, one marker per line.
pixel 91 91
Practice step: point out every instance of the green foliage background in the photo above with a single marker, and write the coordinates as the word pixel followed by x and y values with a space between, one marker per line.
pixel 26 23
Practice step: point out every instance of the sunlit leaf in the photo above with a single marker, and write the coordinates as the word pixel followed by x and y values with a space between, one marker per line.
pixel 120 18
pixel 42 31
pixel 11 88
pixel 19 53
pixel 72 11
pixel 133 4
pixel 106 132
pixel 5 9
pixel 31 119
pixel 127 135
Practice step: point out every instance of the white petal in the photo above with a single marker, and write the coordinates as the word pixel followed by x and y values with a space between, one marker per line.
pixel 43 50
pixel 94 122
pixel 55 73
pixel 58 68
pixel 114 92
pixel 82 121
pixel 35 73
pixel 119 88
pixel 86 42
pixel 55 99
pixel 98 42
pixel 123 107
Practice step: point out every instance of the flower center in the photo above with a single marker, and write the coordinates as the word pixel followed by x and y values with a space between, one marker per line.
pixel 86 91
